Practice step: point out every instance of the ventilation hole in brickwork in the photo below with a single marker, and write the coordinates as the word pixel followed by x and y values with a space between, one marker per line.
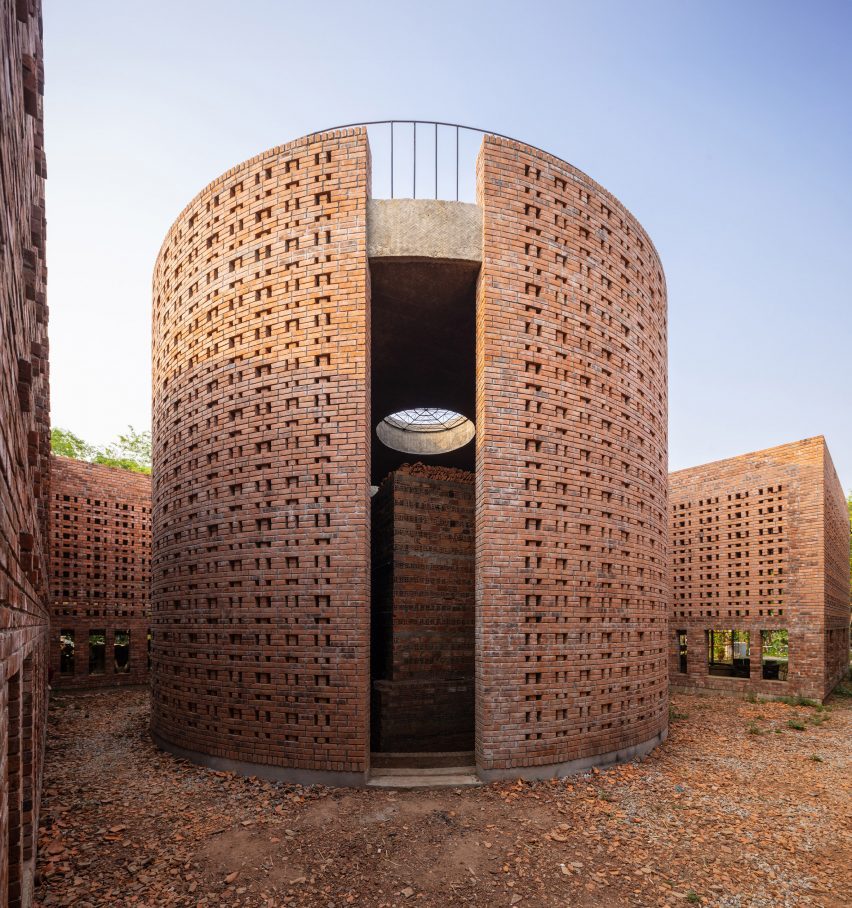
pixel 425 430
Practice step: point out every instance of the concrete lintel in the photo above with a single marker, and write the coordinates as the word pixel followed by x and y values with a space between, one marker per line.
pixel 424 228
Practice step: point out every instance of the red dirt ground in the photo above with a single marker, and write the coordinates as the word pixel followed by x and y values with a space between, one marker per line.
pixel 738 808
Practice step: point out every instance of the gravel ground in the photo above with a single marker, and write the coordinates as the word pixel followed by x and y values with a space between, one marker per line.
pixel 738 808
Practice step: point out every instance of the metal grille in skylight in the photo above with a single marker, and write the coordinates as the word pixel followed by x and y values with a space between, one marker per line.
pixel 426 419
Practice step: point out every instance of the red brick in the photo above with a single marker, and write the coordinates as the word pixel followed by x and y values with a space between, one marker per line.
pixel 100 566
pixel 761 542
pixel 261 467
pixel 571 418
pixel 261 463
pixel 24 445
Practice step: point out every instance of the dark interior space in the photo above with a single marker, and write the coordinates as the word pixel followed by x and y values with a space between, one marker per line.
pixel 423 348
pixel 423 612
pixel 423 539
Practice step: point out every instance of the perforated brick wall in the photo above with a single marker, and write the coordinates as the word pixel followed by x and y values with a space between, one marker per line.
pixel 423 610
pixel 100 564
pixel 261 463
pixel 759 543
pixel 570 468
pixel 24 445
pixel 836 590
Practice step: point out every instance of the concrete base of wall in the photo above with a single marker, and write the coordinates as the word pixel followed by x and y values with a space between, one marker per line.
pixel 360 780
pixel 263 771
pixel 573 767
pixel 66 690
pixel 741 694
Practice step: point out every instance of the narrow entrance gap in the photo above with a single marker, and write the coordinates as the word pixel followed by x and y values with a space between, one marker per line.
pixel 422 536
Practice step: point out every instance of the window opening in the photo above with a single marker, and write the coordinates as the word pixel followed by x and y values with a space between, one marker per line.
pixel 774 654
pixel 97 652
pixel 681 651
pixel 121 652
pixel 66 652
pixel 728 653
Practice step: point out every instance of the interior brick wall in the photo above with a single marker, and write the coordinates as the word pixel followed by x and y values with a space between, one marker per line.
pixel 24 445
pixel 571 470
pixel 261 463
pixel 423 610
pixel 761 542
pixel 100 563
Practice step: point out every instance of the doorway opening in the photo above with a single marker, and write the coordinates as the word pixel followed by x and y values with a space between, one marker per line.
pixel 423 523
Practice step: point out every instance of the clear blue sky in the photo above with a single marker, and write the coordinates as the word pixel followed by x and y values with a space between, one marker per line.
pixel 726 127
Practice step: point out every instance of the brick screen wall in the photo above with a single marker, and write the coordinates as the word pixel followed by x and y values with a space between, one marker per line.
pixel 836 576
pixel 423 610
pixel 571 581
pixel 759 543
pixel 100 563
pixel 24 446
pixel 261 464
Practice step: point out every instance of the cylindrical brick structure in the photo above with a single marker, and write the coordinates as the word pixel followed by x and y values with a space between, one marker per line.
pixel 540 314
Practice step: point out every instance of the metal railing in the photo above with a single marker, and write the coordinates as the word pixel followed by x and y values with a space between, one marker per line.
pixel 441 167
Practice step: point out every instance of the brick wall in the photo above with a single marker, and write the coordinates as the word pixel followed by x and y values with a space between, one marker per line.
pixel 423 610
pixel 261 463
pixel 571 581
pixel 760 542
pixel 100 563
pixel 24 445
pixel 836 578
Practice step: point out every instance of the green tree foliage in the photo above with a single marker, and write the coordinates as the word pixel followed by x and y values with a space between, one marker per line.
pixel 776 643
pixel 131 451
pixel 67 444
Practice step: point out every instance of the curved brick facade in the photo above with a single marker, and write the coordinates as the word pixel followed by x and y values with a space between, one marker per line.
pixel 261 464
pixel 262 438
pixel 571 470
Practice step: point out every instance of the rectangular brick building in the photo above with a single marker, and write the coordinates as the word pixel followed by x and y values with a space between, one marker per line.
pixel 760 573
pixel 100 556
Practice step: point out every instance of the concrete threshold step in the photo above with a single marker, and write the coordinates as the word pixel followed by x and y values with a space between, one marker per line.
pixel 437 777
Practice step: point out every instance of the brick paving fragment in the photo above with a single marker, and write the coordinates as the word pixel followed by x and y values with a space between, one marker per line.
pixel 738 808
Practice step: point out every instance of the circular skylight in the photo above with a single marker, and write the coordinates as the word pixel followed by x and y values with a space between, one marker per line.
pixel 425 419
pixel 425 430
